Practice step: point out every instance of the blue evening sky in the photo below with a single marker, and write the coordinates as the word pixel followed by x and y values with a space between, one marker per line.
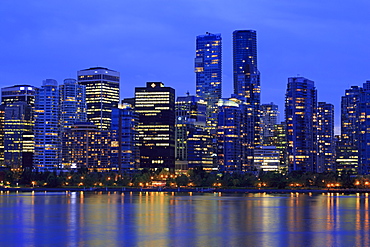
pixel 326 41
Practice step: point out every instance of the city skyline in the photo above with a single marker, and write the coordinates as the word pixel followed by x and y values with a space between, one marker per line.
pixel 151 40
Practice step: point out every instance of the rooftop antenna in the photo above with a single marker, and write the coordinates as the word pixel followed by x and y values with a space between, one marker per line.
pixel 187 93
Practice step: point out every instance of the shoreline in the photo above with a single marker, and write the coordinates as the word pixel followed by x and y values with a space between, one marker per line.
pixel 194 190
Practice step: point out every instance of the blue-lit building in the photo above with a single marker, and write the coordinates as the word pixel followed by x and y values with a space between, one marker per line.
pixel 47 127
pixel 230 135
pixel 194 146
pixel 301 122
pixel 72 103
pixel 247 88
pixel 364 130
pixel 102 94
pixel 269 118
pixel 325 137
pixel 208 71
pixel 347 154
pixel 17 123
pixel 125 154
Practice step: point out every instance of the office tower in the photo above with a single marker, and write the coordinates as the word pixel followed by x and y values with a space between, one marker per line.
pixel 280 142
pixel 208 71
pixel 125 153
pixel 300 117
pixel 47 127
pixel 348 143
pixel 102 94
pixel 247 87
pixel 155 105
pixel 72 103
pixel 193 143
pixel 16 137
pixel 325 137
pixel 229 135
pixel 364 130
pixel 267 158
pixel 88 148
pixel 269 118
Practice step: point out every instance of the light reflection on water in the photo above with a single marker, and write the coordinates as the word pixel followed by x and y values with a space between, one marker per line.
pixel 183 219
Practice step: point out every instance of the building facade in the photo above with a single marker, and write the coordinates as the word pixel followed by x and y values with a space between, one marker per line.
pixel 269 118
pixel 301 121
pixel 208 71
pixel 155 106
pixel 102 94
pixel 325 137
pixel 47 127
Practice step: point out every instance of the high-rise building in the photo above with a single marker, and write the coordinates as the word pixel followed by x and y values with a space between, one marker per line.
pixel 280 142
pixel 125 153
pixel 193 143
pixel 269 118
pixel 102 94
pixel 364 130
pixel 88 148
pixel 246 74
pixel 247 88
pixel 16 134
pixel 208 71
pixel 72 103
pixel 47 127
pixel 229 135
pixel 155 105
pixel 325 137
pixel 347 150
pixel 300 117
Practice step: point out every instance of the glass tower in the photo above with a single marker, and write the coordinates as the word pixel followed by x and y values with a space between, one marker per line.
pixel 247 88
pixel 47 129
pixel 301 122
pixel 325 137
pixel 208 71
pixel 102 94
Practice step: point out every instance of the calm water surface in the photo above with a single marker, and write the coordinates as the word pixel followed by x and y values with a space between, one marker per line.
pixel 183 219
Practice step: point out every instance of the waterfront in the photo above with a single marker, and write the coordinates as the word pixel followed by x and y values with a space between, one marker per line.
pixel 183 219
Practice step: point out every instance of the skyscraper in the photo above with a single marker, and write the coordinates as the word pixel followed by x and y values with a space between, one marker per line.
pixel 247 88
pixel 348 144
pixel 269 118
pixel 229 135
pixel 193 143
pixel 17 137
pixel 246 74
pixel 208 71
pixel 364 130
pixel 301 122
pixel 47 127
pixel 325 137
pixel 72 103
pixel 102 94
pixel 155 105
pixel 125 153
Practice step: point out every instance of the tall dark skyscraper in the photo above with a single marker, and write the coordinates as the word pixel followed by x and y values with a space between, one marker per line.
pixel 301 122
pixel 247 88
pixel 208 70
pixel 246 74
pixel 102 94
pixel 155 106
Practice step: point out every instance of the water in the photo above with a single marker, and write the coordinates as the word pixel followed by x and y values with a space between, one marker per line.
pixel 183 219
